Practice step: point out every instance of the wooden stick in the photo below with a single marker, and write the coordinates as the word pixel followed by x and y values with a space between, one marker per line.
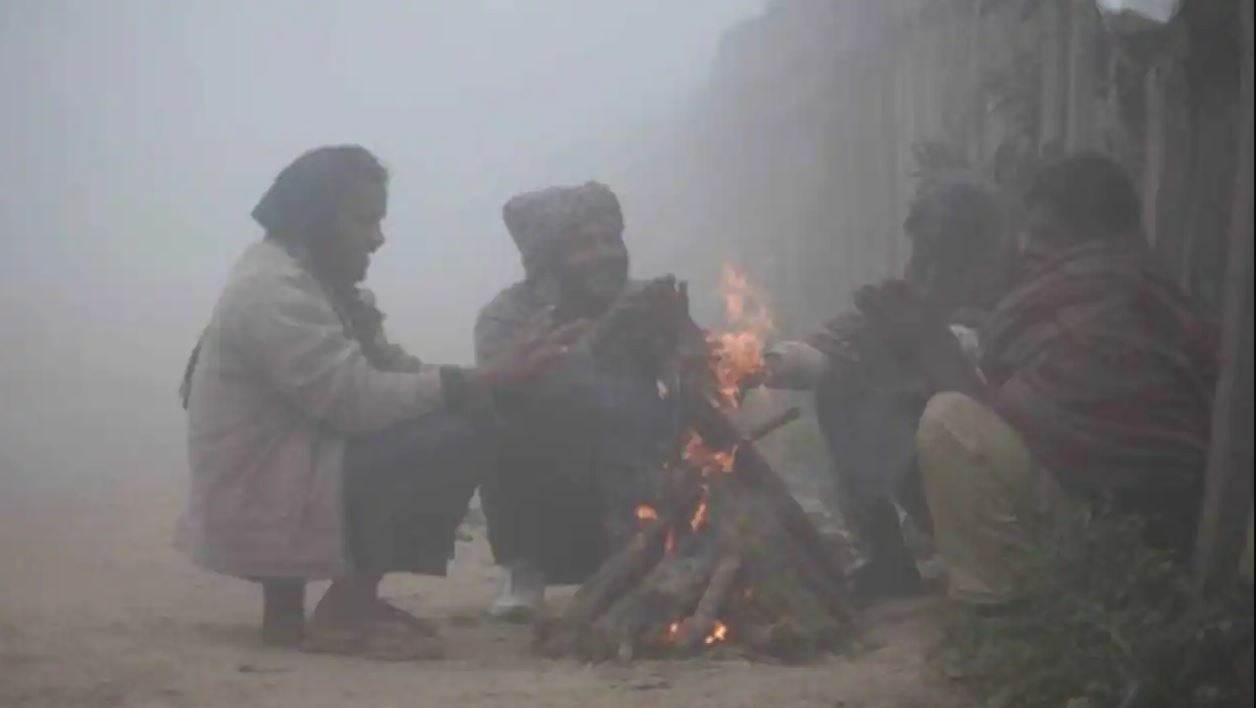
pixel 754 469
pixel 773 424
pixel 668 592
pixel 697 627
pixel 616 576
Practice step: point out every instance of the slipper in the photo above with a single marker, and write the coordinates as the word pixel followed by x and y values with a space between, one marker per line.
pixel 400 644
pixel 419 625
pixel 332 640
pixel 377 641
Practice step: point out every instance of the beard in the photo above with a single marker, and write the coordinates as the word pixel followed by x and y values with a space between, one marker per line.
pixel 606 283
pixel 592 289
pixel 601 285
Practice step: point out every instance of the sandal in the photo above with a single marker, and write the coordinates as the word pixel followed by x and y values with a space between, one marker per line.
pixel 418 625
pixel 378 641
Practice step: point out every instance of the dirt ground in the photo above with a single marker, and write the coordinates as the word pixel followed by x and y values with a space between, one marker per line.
pixel 97 609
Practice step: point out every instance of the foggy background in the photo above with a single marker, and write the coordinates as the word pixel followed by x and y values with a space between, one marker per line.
pixel 137 135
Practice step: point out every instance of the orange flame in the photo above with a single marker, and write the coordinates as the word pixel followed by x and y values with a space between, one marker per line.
pixel 645 513
pixel 738 355
pixel 745 306
pixel 718 634
pixel 739 351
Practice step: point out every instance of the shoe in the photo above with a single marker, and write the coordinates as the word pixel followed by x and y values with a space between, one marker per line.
pixel 522 594
pixel 884 579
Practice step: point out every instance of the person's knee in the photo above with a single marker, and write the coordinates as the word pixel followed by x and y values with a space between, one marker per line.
pixel 955 423
pixel 965 448
pixel 942 428
pixel 945 408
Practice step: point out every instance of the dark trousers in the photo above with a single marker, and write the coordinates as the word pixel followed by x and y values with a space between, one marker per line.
pixel 546 509
pixel 570 473
pixel 407 490
pixel 869 419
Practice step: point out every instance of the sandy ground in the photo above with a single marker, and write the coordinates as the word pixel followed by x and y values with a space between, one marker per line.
pixel 97 609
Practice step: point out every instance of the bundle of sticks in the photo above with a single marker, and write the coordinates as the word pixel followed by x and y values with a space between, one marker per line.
pixel 727 557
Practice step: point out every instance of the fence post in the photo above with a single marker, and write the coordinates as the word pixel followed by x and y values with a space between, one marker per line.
pixel 1228 493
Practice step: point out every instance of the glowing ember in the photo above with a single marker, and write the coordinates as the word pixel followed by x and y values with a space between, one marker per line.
pixel 673 629
pixel 704 458
pixel 699 518
pixel 645 512
pixel 718 634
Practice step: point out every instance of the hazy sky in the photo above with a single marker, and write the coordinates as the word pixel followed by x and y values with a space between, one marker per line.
pixel 136 136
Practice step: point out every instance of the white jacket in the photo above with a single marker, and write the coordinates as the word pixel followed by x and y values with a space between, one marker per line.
pixel 278 387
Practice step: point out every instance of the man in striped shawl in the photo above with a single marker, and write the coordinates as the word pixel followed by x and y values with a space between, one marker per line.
pixel 1094 386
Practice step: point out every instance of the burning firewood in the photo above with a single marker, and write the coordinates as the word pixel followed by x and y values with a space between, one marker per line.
pixel 726 556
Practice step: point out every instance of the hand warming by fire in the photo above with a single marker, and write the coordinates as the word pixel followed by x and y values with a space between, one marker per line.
pixel 725 556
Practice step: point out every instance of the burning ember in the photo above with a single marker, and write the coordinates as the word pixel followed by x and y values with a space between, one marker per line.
pixel 700 456
pixel 699 518
pixel 718 634
pixel 645 512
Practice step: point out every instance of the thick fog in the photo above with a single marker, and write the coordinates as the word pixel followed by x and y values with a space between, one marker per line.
pixel 137 135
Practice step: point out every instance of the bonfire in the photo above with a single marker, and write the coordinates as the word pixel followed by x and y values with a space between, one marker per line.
pixel 727 557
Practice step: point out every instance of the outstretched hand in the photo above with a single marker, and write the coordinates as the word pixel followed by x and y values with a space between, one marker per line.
pixel 899 314
pixel 644 322
pixel 632 308
pixel 906 321
pixel 535 353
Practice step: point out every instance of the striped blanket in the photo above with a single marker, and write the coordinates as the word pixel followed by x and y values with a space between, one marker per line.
pixel 1098 358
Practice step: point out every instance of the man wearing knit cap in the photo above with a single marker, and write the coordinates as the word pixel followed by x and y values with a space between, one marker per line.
pixel 577 442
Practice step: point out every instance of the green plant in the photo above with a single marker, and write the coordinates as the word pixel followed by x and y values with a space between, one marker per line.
pixel 1102 616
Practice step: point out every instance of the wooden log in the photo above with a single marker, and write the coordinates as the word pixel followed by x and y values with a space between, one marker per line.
pixel 640 620
pixel 781 573
pixel 694 631
pixel 773 424
pixel 752 468
pixel 616 577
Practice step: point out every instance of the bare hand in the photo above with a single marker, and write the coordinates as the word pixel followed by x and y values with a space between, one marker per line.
pixel 535 354
pixel 899 315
